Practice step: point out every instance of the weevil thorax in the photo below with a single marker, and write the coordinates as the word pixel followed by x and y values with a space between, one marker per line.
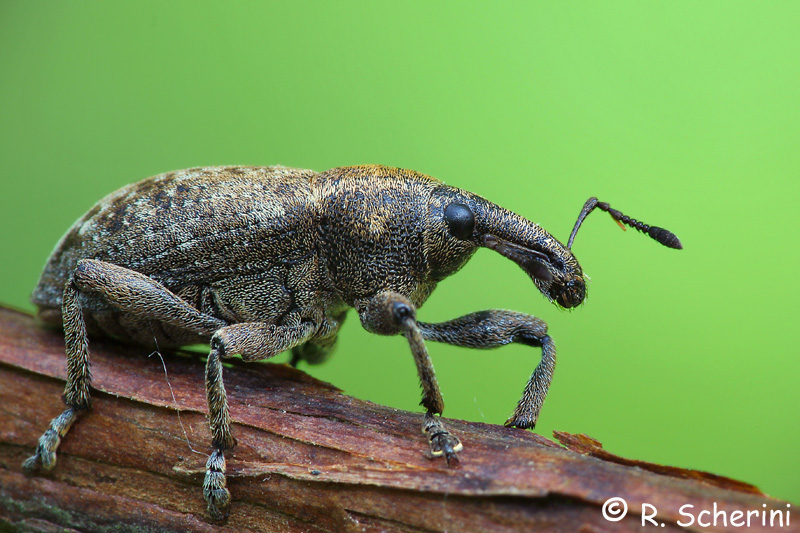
pixel 371 226
pixel 459 222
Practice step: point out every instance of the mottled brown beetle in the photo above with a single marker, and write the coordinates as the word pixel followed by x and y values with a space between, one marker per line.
pixel 259 260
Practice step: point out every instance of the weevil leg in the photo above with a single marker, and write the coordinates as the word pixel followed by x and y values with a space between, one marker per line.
pixel 490 329
pixel 390 313
pixel 128 291
pixel 312 353
pixel 140 295
pixel 76 392
pixel 254 341
pixel 319 349
pixel 45 456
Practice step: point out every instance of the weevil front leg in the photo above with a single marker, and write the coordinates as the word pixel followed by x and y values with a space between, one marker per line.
pixel 254 341
pixel 128 291
pixel 389 313
pixel 490 329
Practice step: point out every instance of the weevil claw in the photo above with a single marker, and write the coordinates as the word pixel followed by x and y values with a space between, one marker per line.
pixel 515 421
pixel 31 464
pixel 219 504
pixel 441 441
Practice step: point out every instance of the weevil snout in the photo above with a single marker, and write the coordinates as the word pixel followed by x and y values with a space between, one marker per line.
pixel 555 271
pixel 552 267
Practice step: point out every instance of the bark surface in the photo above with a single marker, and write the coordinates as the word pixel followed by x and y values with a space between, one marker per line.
pixel 309 458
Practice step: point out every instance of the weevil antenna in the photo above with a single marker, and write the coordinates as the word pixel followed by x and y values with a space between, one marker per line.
pixel 665 237
pixel 590 204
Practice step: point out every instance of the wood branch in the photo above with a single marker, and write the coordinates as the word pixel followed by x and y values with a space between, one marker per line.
pixel 309 458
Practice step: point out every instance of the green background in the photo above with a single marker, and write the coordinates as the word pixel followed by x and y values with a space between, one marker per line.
pixel 684 114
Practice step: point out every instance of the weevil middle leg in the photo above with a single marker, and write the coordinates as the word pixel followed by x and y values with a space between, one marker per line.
pixel 254 341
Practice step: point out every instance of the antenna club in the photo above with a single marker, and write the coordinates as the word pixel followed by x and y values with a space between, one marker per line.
pixel 665 237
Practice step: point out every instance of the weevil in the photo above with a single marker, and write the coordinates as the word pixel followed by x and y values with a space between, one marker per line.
pixel 256 261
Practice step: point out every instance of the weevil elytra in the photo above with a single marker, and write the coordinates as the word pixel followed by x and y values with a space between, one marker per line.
pixel 259 260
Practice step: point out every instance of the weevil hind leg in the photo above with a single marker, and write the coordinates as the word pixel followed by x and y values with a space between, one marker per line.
pixel 76 392
pixel 127 291
pixel 45 456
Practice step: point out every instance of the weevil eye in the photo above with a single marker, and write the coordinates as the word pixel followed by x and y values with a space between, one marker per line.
pixel 460 220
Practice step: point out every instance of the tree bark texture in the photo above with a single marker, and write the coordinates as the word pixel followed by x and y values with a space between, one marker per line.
pixel 309 458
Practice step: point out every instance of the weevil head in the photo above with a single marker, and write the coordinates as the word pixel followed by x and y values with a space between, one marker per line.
pixel 460 222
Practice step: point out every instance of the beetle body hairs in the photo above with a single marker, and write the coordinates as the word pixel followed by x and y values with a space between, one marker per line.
pixel 260 260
